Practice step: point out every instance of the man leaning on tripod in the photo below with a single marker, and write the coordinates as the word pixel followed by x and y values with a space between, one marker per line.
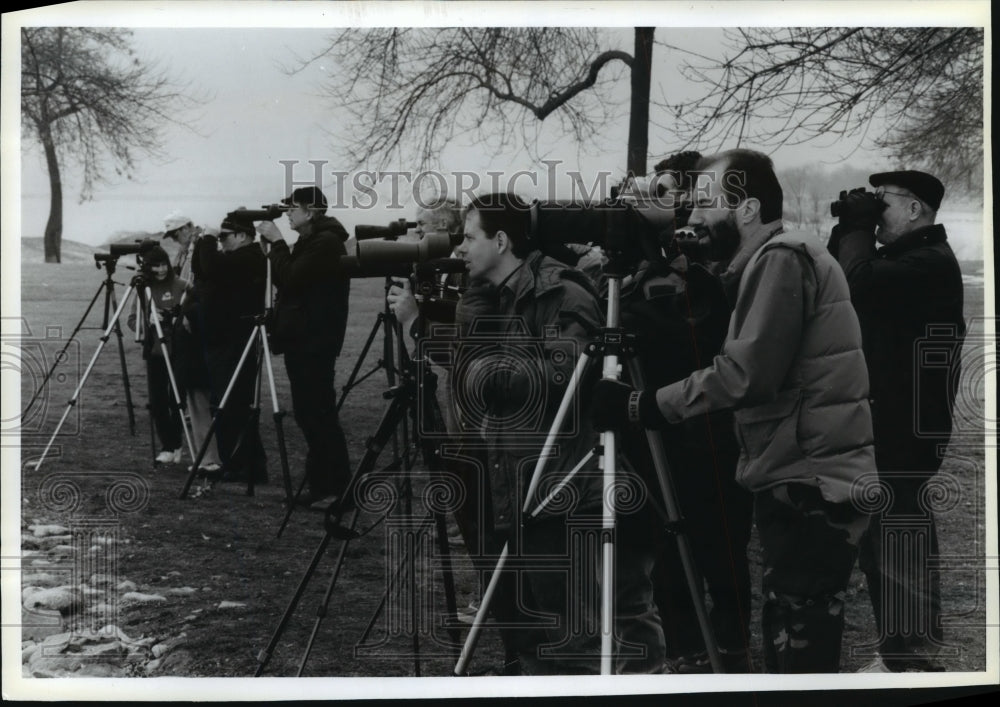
pixel 792 369
pixel 310 318
pixel 522 325
pixel 231 285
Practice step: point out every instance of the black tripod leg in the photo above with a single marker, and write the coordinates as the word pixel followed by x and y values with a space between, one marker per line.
pixel 264 656
pixel 693 576
pixel 149 414
pixel 448 577
pixel 324 605
pixel 61 356
pixel 392 417
pixel 352 378
pixel 110 299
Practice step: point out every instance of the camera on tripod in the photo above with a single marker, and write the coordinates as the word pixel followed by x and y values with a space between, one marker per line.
pixel 117 250
pixel 630 227
pixel 379 254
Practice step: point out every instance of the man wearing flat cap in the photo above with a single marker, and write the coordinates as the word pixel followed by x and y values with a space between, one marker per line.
pixel 310 318
pixel 908 295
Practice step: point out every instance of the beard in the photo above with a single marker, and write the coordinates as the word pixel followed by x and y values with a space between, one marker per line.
pixel 724 239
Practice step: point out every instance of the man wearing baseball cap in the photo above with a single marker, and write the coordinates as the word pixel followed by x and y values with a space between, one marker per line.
pixel 908 295
pixel 310 319
pixel 181 230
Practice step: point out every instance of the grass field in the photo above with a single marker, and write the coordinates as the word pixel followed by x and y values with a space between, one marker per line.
pixel 222 543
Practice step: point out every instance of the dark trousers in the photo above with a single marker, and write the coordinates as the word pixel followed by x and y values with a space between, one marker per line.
pixel 314 402
pixel 237 432
pixel 717 518
pixel 809 547
pixel 162 405
pixel 547 600
pixel 905 590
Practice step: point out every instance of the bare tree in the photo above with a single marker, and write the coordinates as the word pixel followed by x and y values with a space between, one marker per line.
pixel 411 91
pixel 85 97
pixel 780 86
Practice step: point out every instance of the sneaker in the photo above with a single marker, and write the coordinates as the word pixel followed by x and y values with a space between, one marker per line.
pixel 468 614
pixel 169 456
pixel 876 666
pixel 321 503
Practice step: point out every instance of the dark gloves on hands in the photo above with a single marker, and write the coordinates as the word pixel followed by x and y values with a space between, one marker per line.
pixel 615 404
pixel 859 210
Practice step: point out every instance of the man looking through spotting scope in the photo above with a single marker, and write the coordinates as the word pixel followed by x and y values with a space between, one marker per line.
pixel 522 326
pixel 231 287
pixel 677 309
pixel 908 295
pixel 310 318
pixel 792 369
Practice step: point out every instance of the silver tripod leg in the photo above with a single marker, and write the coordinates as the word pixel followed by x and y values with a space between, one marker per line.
pixel 155 318
pixel 470 641
pixel 83 379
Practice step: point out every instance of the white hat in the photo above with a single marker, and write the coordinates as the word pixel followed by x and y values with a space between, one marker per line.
pixel 174 221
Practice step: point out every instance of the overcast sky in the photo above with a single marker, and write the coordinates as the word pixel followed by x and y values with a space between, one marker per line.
pixel 254 114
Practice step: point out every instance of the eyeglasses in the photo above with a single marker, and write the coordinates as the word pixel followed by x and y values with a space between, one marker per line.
pixel 880 193
pixel 225 234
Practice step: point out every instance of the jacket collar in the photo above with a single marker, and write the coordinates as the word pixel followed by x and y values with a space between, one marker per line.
pixel 923 236
pixel 537 275
pixel 750 244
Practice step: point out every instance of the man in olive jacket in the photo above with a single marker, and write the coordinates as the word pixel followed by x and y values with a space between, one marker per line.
pixel 310 318
pixel 522 329
pixel 792 370
pixel 908 295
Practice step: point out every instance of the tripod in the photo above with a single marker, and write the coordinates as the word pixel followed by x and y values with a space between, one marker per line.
pixel 256 341
pixel 407 402
pixel 386 321
pixel 147 308
pixel 610 345
pixel 109 263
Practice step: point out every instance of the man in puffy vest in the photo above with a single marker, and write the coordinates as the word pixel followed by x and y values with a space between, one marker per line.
pixel 792 370
pixel 908 295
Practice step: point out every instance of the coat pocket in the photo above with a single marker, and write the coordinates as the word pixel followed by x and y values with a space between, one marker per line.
pixel 770 428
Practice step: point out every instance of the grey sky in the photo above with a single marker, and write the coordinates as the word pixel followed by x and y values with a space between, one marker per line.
pixel 255 114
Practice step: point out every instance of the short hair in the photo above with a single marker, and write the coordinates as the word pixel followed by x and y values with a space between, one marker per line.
pixel 508 213
pixel 445 205
pixel 678 162
pixel 758 180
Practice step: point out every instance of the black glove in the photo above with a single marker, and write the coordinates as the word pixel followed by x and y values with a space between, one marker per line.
pixel 859 210
pixel 615 404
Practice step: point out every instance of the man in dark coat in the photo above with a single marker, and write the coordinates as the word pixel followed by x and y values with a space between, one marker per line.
pixel 908 295
pixel 231 287
pixel 310 318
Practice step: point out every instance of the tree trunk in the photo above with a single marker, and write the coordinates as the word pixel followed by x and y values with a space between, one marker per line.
pixel 53 228
pixel 638 127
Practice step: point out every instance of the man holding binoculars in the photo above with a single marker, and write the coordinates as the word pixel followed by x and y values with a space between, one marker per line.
pixel 908 296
